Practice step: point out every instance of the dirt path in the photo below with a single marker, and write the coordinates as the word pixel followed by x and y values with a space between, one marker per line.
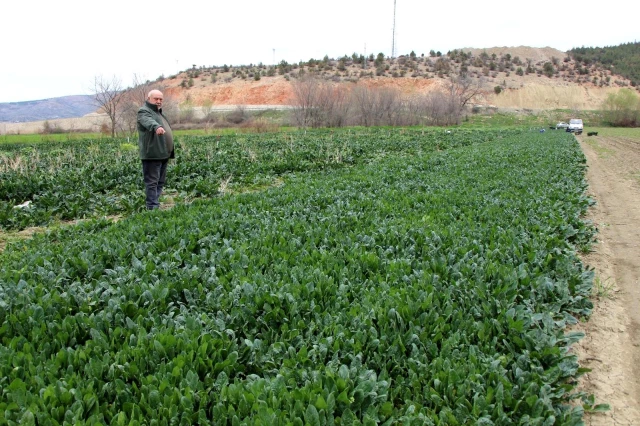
pixel 612 343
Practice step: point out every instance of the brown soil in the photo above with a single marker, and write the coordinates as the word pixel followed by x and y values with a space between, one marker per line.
pixel 611 346
pixel 7 237
pixel 520 92
pixel 268 91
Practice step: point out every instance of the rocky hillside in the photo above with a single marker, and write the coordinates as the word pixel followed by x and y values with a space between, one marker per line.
pixel 513 77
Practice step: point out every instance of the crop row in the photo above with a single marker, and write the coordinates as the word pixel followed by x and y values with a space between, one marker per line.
pixel 82 179
pixel 430 289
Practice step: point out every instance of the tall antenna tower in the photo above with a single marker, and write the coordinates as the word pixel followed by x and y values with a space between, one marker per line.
pixel 393 38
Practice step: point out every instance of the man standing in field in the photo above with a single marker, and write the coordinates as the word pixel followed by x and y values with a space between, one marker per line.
pixel 155 140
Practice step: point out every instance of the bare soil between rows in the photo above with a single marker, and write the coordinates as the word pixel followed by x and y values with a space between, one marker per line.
pixel 611 347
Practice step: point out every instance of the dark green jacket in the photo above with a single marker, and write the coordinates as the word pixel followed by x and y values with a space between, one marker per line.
pixel 152 146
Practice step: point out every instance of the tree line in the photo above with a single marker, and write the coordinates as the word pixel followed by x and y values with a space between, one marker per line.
pixel 624 59
pixel 321 103
pixel 316 102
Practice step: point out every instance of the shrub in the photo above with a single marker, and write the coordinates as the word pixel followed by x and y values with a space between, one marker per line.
pixel 497 90
pixel 186 112
pixel 622 108
pixel 548 69
pixel 237 116
pixel 259 125
pixel 379 59
pixel 46 127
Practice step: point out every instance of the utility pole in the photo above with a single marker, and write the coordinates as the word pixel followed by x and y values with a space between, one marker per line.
pixel 393 38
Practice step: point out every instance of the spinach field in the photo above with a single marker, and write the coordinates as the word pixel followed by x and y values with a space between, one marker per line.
pixel 93 178
pixel 395 277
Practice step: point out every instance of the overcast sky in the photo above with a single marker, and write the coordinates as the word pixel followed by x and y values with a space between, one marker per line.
pixel 57 48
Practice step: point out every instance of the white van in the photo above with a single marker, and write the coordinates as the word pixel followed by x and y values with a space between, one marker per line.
pixel 575 126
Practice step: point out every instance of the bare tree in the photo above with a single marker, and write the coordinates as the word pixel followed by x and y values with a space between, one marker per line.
pixel 305 100
pixel 207 109
pixel 332 107
pixel 135 96
pixel 108 96
pixel 339 107
pixel 140 89
pixel 465 88
pixel 320 103
pixel 389 106
pixel 447 107
pixel 440 108
pixel 376 106
pixel 413 111
pixel 365 105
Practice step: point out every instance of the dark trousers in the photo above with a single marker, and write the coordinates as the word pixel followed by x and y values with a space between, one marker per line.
pixel 155 176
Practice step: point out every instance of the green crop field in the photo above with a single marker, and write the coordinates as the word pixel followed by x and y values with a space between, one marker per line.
pixel 46 138
pixel 338 277
pixel 93 178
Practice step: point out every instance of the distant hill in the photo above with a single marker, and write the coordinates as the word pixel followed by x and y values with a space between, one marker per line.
pixel 47 109
pixel 517 77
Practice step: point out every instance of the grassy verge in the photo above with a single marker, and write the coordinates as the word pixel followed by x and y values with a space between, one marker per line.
pixel 530 118
pixel 57 137
pixel 621 132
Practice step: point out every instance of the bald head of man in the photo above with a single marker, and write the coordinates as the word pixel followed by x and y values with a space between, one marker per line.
pixel 155 97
